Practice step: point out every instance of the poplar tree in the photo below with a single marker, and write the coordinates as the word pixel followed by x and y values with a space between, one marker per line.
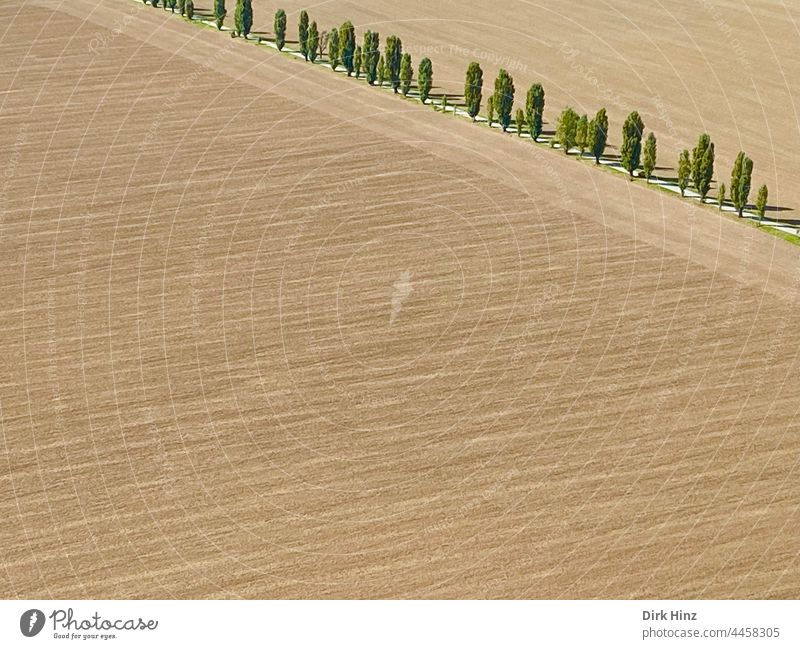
pixel 381 71
pixel 394 57
pixel 219 12
pixel 684 171
pixel 740 181
pixel 425 79
pixel 313 41
pixel 238 15
pixel 243 17
pixel 591 136
pixel 366 54
pixel 189 9
pixel 534 108
pixel 333 49
pixel 280 29
pixel 302 33
pixel 598 135
pixel 630 152
pixel 504 97
pixel 761 201
pixel 357 61
pixel 721 196
pixel 406 73
pixel 371 55
pixel 347 45
pixel 182 7
pixel 650 154
pixel 490 110
pixel 582 134
pixel 519 120
pixel 703 165
pixel 248 17
pixel 473 89
pixel 567 129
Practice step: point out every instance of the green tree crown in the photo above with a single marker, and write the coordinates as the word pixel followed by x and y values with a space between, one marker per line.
pixel 406 73
pixel 302 33
pixel 631 149
pixel 703 165
pixel 394 58
pixel 650 155
pixel 425 76
pixel 740 181
pixel 473 89
pixel 280 28
pixel 313 41
pixel 504 97
pixel 567 129
pixel 534 109
pixel 597 136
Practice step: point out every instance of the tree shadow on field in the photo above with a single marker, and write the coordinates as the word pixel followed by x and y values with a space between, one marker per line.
pixel 713 197
pixel 451 99
pixel 778 208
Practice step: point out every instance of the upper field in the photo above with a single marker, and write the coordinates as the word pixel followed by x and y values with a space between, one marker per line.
pixel 726 67
pixel 267 332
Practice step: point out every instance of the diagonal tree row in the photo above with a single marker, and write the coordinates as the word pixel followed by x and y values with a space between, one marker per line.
pixel 573 133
